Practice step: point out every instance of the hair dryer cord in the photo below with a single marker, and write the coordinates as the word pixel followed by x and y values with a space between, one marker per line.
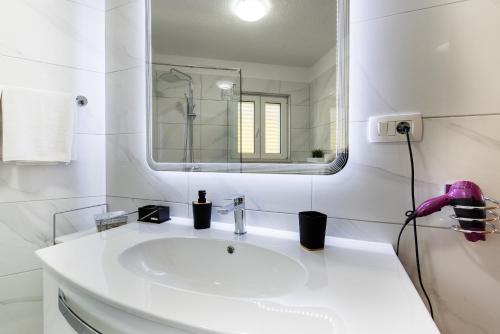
pixel 412 217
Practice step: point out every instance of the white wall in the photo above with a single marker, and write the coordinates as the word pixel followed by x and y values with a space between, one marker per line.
pixel 437 57
pixel 54 45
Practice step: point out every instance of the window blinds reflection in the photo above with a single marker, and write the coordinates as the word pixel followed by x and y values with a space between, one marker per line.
pixel 272 123
pixel 246 127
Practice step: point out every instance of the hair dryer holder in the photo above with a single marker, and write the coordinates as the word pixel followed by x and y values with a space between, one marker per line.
pixel 491 217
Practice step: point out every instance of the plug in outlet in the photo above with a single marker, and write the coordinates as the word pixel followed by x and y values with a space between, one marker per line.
pixel 384 129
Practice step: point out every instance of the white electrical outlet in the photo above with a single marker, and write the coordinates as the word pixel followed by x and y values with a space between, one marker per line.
pixel 382 129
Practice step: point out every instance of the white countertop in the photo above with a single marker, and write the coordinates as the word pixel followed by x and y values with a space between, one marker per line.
pixel 353 287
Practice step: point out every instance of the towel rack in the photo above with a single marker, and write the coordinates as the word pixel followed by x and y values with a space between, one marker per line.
pixel 81 100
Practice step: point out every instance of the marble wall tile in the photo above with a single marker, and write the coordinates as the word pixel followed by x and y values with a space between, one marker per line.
pixel 125 36
pixel 452 270
pixel 126 101
pixel 173 110
pixel 300 140
pixel 27 226
pixel 111 4
pixel 214 137
pixel 96 4
pixel 436 65
pixel 29 74
pixel 56 45
pixel 324 111
pixel 366 10
pixel 129 175
pixel 261 85
pixel 21 303
pixel 172 136
pixel 214 112
pixel 324 86
pixel 322 137
pixel 83 177
pixel 291 196
pixel 299 117
pixel 298 91
pixel 53 31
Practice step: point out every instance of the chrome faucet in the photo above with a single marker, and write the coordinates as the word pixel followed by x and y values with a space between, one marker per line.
pixel 237 206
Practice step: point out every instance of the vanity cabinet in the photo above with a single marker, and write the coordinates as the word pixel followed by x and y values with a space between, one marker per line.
pixel 86 315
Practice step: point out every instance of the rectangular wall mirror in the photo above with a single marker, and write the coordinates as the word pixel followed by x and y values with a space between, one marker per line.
pixel 248 85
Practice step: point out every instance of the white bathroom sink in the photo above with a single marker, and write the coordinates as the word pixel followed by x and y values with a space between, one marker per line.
pixel 217 267
pixel 170 278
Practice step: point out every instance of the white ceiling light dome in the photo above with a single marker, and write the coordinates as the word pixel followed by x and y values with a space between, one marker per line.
pixel 225 84
pixel 251 10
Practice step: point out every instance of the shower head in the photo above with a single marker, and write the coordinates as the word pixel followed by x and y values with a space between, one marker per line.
pixel 175 75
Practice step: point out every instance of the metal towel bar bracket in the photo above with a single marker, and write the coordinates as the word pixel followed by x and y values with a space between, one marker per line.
pixel 81 100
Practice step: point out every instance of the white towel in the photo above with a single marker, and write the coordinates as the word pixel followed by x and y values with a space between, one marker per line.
pixel 37 126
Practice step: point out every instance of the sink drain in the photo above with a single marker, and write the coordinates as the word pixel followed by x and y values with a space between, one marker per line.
pixel 230 249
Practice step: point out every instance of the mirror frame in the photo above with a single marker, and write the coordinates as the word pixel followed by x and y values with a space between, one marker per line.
pixel 342 142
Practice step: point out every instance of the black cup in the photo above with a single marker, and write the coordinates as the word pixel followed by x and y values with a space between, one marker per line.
pixel 312 227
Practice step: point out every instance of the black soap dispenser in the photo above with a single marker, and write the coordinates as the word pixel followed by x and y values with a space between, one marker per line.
pixel 202 211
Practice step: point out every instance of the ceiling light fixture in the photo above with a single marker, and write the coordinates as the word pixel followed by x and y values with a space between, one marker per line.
pixel 251 10
pixel 225 84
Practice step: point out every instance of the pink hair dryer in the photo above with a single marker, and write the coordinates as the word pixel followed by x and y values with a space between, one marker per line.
pixel 470 209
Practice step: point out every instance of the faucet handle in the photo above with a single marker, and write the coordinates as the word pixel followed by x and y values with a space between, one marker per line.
pixel 237 199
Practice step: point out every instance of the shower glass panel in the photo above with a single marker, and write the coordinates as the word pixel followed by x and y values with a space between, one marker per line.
pixel 195 114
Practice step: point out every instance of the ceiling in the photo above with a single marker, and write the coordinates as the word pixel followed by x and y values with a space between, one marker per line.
pixel 294 33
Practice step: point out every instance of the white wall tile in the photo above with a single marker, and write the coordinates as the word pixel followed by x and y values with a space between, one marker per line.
pixel 173 136
pixel 291 196
pixel 27 226
pixel 111 4
pixel 214 137
pixel 174 109
pixel 95 4
pixel 83 177
pixel 300 117
pixel 125 36
pixel 300 140
pixel 29 74
pixel 453 269
pixel 260 85
pixel 126 101
pixel 128 173
pixel 324 85
pixel 214 112
pixel 21 303
pixel 53 31
pixel 298 91
pixel 366 10
pixel 444 61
